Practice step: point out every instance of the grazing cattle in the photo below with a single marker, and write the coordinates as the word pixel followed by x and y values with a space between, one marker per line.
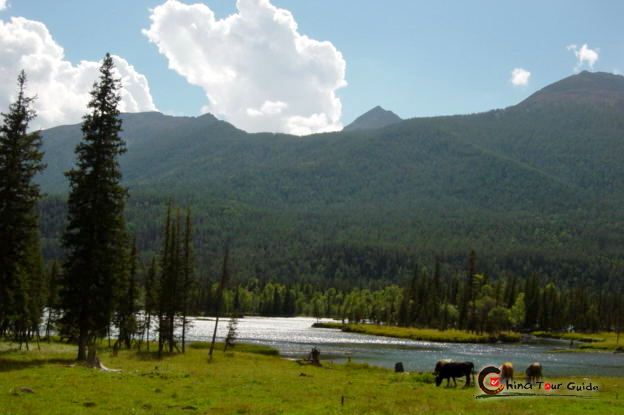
pixel 506 371
pixel 534 372
pixel 454 370
pixel 439 364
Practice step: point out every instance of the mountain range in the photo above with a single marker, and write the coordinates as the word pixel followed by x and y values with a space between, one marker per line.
pixel 561 146
pixel 550 168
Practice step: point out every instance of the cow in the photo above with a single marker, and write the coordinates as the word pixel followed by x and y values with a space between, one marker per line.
pixel 454 370
pixel 439 364
pixel 507 371
pixel 534 372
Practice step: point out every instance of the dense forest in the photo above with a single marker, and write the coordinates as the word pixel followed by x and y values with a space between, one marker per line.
pixel 503 246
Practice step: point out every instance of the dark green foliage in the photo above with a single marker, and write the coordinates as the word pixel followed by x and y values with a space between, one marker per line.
pixel 21 272
pixel 175 291
pixel 536 303
pixel 230 337
pixel 95 237
pixel 225 279
pixel 150 301
pixel 127 306
pixel 536 187
pixel 53 300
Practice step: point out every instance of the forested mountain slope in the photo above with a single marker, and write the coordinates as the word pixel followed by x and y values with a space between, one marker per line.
pixel 544 176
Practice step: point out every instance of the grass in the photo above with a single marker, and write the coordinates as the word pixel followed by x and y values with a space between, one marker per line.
pixel 432 335
pixel 588 341
pixel 248 381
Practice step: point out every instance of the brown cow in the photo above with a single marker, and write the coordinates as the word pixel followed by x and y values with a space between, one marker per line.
pixel 507 371
pixel 534 372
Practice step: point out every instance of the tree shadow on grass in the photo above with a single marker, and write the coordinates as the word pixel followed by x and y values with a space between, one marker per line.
pixel 9 365
pixel 152 355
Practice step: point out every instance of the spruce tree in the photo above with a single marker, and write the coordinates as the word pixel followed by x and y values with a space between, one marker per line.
pixel 52 300
pixel 21 272
pixel 95 238
pixel 169 283
pixel 225 276
pixel 126 320
pixel 188 282
pixel 150 304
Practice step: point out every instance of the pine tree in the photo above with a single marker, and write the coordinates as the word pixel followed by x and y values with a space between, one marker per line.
pixel 187 277
pixel 53 300
pixel 167 286
pixel 127 301
pixel 225 276
pixel 231 335
pixel 150 303
pixel 21 272
pixel 95 238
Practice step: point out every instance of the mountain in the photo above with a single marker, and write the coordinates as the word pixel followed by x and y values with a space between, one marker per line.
pixel 529 187
pixel 551 150
pixel 372 119
pixel 593 88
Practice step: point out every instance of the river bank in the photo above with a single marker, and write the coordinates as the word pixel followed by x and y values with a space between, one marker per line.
pixel 600 341
pixel 247 380
pixel 431 335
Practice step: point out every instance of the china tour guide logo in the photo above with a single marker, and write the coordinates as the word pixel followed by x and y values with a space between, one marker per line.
pixel 490 380
pixel 497 382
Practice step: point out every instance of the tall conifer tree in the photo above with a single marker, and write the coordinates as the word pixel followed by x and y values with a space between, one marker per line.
pixel 95 237
pixel 21 272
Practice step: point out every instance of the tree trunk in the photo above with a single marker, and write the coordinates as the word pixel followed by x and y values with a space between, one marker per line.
pixel 82 346
pixel 214 336
pixel 92 360
pixel 184 333
pixel 149 322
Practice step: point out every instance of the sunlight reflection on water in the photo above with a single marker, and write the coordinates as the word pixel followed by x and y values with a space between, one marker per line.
pixel 294 337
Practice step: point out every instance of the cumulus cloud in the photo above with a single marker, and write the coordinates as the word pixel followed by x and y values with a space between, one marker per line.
pixel 256 69
pixel 62 88
pixel 584 55
pixel 520 77
pixel 3 4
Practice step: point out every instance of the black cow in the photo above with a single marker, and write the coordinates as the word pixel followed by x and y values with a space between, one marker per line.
pixel 454 370
pixel 534 372
pixel 439 364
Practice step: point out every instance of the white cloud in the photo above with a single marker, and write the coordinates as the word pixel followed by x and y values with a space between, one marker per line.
pixel 584 56
pixel 3 4
pixel 256 69
pixel 520 77
pixel 62 88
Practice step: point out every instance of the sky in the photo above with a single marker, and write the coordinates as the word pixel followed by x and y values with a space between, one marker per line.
pixel 303 66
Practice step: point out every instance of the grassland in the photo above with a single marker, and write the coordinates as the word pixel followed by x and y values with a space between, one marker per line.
pixel 607 341
pixel 432 335
pixel 249 380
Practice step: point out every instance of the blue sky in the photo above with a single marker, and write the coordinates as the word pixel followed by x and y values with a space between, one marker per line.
pixel 413 57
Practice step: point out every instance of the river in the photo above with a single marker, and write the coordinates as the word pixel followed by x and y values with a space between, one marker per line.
pixel 294 337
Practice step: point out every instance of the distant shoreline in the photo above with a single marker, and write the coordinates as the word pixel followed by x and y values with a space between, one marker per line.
pixel 432 335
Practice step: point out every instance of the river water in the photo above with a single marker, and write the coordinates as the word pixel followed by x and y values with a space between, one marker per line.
pixel 294 337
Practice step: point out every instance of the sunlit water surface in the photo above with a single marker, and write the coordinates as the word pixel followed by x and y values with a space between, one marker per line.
pixel 294 337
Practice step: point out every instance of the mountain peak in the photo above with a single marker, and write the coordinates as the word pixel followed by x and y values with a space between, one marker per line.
pixel 596 88
pixel 376 117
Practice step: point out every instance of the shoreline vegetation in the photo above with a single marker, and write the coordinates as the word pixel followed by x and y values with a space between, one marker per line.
pixel 432 335
pixel 595 342
pixel 599 341
pixel 248 379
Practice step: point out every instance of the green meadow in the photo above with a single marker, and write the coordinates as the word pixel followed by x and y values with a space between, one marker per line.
pixel 249 380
